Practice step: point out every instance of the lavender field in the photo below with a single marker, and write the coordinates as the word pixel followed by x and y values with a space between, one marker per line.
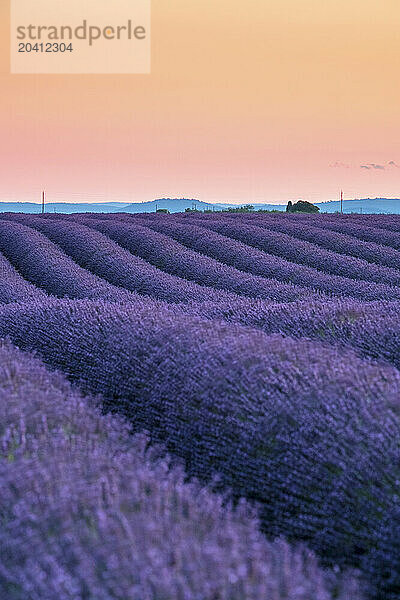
pixel 199 407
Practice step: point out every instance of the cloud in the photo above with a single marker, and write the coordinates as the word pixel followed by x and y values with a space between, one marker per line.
pixel 366 166
pixel 370 166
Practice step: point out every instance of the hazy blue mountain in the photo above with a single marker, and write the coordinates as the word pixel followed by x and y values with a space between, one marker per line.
pixel 172 204
pixel 181 204
pixel 60 207
pixel 364 205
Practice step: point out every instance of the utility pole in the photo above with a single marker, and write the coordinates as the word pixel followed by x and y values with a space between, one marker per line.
pixel 43 201
pixel 341 202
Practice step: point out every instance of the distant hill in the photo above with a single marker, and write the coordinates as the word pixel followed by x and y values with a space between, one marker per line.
pixel 181 204
pixel 60 207
pixel 364 205
pixel 172 204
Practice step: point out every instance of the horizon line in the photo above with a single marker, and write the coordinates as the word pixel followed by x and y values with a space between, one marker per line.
pixel 129 203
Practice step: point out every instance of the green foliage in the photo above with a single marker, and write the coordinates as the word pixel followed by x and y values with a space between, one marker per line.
pixel 302 206
pixel 240 209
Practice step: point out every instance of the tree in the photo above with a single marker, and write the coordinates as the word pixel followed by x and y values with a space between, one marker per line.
pixel 240 209
pixel 302 206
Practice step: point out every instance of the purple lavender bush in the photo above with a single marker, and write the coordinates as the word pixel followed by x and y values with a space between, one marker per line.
pixel 88 511
pixel 303 252
pixel 371 329
pixel 260 351
pixel 306 430
pixel 336 241
pixel 367 233
pixel 43 264
pixel 252 260
pixel 173 257
pixel 106 259
pixel 13 287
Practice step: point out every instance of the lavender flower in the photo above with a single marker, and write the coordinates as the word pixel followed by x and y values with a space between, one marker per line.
pixel 307 430
pixel 87 511
pixel 257 262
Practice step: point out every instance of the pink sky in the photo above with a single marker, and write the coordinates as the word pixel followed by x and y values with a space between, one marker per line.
pixel 263 101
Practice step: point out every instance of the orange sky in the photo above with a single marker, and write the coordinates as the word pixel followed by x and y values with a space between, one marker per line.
pixel 264 100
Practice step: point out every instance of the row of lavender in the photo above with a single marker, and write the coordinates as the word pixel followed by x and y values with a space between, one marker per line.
pixel 308 431
pixel 268 254
pixel 154 324
pixel 89 511
pixel 207 260
pixel 342 255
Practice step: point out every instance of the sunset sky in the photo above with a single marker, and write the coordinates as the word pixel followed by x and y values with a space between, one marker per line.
pixel 250 101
